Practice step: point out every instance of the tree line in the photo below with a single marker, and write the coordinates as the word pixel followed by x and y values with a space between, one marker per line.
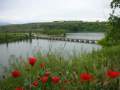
pixel 58 26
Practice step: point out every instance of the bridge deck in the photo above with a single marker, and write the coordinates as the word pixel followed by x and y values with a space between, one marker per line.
pixel 67 39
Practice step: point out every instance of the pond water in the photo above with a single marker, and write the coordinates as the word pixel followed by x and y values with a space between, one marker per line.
pixel 29 47
pixel 90 36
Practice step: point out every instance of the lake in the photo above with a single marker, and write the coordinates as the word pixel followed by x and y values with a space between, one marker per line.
pixel 29 47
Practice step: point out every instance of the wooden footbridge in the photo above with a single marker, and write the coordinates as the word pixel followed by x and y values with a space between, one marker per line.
pixel 66 39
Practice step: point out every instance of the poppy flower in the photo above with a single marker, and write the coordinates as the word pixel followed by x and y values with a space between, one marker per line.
pixel 44 79
pixel 42 65
pixel 55 79
pixel 16 74
pixel 32 60
pixel 113 74
pixel 47 73
pixel 19 88
pixel 35 83
pixel 85 77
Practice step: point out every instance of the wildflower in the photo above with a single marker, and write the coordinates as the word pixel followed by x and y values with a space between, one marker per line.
pixel 55 79
pixel 32 60
pixel 47 73
pixel 85 77
pixel 19 88
pixel 35 83
pixel 112 74
pixel 42 65
pixel 44 79
pixel 16 73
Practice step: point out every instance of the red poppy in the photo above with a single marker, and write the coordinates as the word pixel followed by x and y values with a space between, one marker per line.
pixel 19 88
pixel 32 60
pixel 44 79
pixel 85 77
pixel 55 79
pixel 16 73
pixel 42 65
pixel 35 83
pixel 47 73
pixel 113 74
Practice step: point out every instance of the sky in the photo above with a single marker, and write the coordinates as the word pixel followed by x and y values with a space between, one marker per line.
pixel 25 11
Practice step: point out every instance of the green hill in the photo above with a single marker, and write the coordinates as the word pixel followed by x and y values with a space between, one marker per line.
pixel 67 26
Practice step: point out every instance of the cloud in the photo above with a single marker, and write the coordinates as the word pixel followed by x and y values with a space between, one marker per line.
pixel 50 10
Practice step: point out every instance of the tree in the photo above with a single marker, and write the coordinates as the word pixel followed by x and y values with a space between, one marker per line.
pixel 113 35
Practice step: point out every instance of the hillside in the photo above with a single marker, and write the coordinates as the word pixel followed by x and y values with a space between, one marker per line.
pixel 67 26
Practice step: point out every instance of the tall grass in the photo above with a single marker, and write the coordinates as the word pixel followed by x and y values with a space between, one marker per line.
pixel 97 64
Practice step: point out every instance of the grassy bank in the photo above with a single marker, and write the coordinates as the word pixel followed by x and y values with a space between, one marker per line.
pixel 10 37
pixel 99 70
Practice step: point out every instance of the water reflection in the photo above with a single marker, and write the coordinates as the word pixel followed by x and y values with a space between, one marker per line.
pixel 28 47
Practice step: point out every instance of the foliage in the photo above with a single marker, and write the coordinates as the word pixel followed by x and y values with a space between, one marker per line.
pixel 115 3
pixel 67 26
pixel 53 32
pixel 113 35
pixel 70 72
pixel 10 37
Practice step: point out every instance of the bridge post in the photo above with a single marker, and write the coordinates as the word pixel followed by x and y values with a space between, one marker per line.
pixel 87 41
pixel 93 41
pixel 6 36
pixel 77 40
pixel 82 41
pixel 30 34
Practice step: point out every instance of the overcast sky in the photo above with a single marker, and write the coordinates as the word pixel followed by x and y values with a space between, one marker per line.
pixel 23 11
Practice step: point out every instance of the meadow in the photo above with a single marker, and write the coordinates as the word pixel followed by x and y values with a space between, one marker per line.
pixel 99 70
